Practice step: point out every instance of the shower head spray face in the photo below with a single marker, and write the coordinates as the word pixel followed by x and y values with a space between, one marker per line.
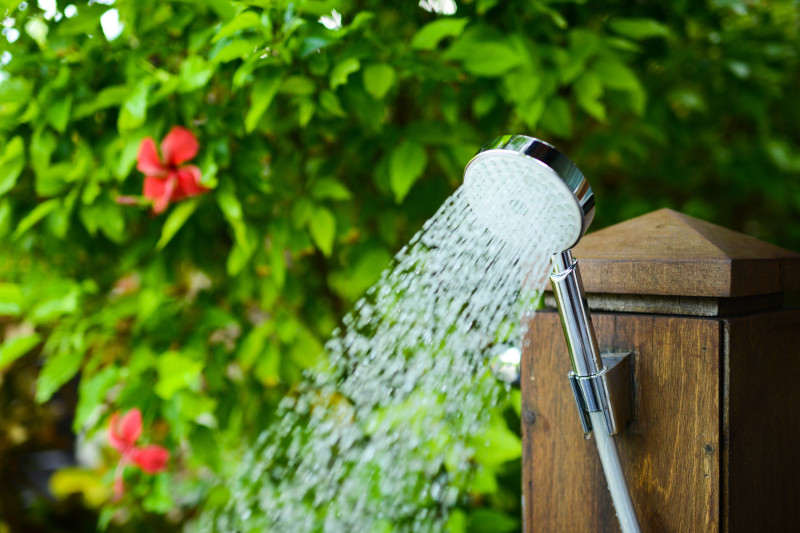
pixel 526 192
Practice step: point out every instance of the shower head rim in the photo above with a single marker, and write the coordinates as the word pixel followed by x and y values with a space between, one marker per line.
pixel 546 155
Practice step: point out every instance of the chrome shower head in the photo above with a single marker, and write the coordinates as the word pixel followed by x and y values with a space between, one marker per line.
pixel 525 191
pixel 532 197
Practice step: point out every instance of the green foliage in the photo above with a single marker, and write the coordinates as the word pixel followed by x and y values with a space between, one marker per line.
pixel 324 150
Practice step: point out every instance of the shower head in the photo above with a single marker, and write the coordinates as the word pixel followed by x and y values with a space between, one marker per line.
pixel 532 197
pixel 525 191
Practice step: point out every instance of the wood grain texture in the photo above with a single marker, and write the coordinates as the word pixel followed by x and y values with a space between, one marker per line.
pixel 669 253
pixel 670 453
pixel 679 305
pixel 762 429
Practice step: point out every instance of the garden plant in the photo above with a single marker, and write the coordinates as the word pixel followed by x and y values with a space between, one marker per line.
pixel 194 193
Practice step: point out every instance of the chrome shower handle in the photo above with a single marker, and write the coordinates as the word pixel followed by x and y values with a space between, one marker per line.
pixel 591 378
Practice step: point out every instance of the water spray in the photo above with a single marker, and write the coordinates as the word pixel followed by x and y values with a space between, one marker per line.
pixel 519 187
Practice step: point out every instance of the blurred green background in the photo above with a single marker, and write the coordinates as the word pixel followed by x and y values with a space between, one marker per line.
pixel 329 131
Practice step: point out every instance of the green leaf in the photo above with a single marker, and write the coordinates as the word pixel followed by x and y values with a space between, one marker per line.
pixel 234 50
pixel 194 74
pixel 277 264
pixel 487 59
pixel 10 299
pixel 5 217
pixel 159 497
pixel 530 112
pixel 105 516
pixel 237 259
pixel 298 86
pixel 362 19
pixel 496 444
pixel 64 301
pixel 104 215
pixel 306 107
pixel 57 113
pixel 58 221
pixel 197 407
pixel 42 144
pixel 15 347
pixel 484 482
pixel 301 212
pixel 108 97
pixel 245 239
pixel 557 118
pixel 457 522
pixel 12 162
pixel 232 210
pixel 224 8
pixel 557 18
pixel 406 165
pixel 57 370
pixel 639 28
pixel 491 521
pixel 329 102
pixel 366 270
pixel 268 367
pixel 205 447
pixel 264 91
pixel 492 59
pixel 252 347
pixel 52 180
pixel 330 189
pixel 126 159
pixel 342 70
pixel 616 75
pixel 37 214
pixel 88 22
pixel 15 94
pixel 378 79
pixel 176 372
pixel 588 91
pixel 175 221
pixel 91 395
pixel 782 154
pixel 484 103
pixel 429 36
pixel 483 6
pixel 134 109
pixel 306 350
pixel 583 46
pixel 322 227
pixel 242 21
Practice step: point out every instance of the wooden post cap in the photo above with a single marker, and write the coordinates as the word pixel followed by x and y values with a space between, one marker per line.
pixel 672 254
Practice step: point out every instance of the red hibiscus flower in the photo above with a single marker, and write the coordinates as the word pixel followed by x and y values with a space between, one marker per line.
pixel 165 179
pixel 123 432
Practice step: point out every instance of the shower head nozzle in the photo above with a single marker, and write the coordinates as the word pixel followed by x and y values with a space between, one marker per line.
pixel 525 191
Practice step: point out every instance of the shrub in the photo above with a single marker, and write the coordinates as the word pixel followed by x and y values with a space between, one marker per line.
pixel 324 143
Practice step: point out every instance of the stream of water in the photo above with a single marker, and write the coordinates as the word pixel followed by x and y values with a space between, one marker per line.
pixel 379 439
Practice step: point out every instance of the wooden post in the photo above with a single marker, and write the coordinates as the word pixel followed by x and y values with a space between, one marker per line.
pixel 715 443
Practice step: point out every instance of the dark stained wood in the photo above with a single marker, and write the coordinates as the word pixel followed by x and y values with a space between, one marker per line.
pixel 715 443
pixel 669 253
pixel 762 423
pixel 671 453
pixel 563 483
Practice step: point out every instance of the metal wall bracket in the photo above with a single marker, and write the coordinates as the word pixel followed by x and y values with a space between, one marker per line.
pixel 608 390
